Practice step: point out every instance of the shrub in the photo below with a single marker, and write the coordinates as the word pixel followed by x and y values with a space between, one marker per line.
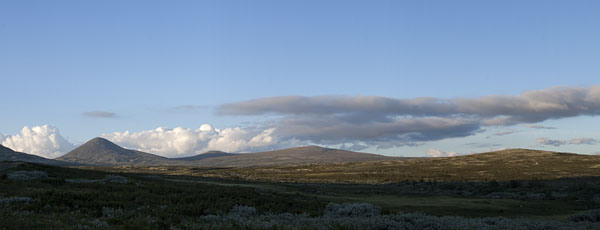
pixel 15 199
pixel 245 211
pixel 351 210
pixel 26 175
pixel 587 216
pixel 111 212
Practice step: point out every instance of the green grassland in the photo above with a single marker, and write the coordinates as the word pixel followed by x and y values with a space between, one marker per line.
pixel 154 202
pixel 452 193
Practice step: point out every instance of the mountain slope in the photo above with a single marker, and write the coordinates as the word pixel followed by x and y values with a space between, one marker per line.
pixel 209 154
pixel 100 151
pixel 7 154
pixel 291 156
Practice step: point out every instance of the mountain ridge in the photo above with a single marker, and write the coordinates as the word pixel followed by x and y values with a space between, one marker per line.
pixel 102 152
pixel 291 156
pixel 202 156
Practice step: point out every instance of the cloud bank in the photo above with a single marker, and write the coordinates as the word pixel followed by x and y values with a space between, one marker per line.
pixel 179 142
pixel 575 141
pixel 44 141
pixel 389 122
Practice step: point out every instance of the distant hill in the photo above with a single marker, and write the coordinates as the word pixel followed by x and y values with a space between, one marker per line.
pixel 291 156
pixel 505 165
pixel 100 151
pixel 209 154
pixel 7 154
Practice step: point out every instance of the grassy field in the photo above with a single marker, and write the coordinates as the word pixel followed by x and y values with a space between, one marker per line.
pixel 57 203
pixel 394 198
pixel 126 198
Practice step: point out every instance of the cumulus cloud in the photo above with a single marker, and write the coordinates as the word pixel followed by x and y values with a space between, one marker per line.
pixel 388 122
pixel 532 126
pixel 575 141
pixel 44 141
pixel 438 153
pixel 99 114
pixel 181 141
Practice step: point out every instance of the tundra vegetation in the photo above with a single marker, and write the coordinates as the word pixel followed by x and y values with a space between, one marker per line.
pixel 37 196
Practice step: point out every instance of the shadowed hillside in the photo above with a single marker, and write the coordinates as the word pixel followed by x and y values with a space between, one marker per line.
pixel 7 154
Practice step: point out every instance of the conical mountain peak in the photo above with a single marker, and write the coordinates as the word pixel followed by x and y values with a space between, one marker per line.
pixel 101 143
pixel 100 151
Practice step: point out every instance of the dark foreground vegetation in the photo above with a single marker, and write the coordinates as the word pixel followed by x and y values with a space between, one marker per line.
pixel 34 196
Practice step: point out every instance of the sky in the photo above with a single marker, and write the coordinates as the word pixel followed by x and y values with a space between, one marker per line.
pixel 399 78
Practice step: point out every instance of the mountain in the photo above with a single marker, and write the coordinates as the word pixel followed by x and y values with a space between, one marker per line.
pixel 209 154
pixel 291 156
pixel 7 154
pixel 100 151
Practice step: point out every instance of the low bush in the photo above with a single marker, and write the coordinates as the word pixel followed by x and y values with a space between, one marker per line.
pixel 587 216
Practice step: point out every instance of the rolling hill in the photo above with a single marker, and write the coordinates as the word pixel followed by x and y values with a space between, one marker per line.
pixel 291 156
pixel 505 165
pixel 7 154
pixel 203 156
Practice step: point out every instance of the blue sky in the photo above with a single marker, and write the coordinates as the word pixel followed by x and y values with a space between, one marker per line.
pixel 150 64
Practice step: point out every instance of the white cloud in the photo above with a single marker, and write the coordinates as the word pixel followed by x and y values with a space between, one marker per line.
pixel 354 146
pixel 574 141
pixel 44 141
pixel 438 153
pixel 384 122
pixel 181 141
pixel 584 141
